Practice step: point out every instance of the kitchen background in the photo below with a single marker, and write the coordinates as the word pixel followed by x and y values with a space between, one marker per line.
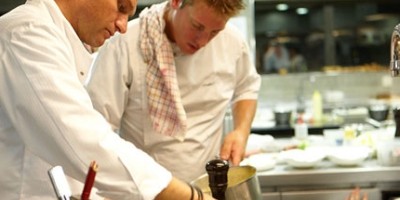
pixel 346 46
pixel 329 33
pixel 345 43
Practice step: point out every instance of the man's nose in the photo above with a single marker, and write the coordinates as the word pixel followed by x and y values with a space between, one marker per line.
pixel 202 39
pixel 122 23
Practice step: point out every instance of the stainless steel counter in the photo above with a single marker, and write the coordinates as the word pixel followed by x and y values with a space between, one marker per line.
pixel 327 181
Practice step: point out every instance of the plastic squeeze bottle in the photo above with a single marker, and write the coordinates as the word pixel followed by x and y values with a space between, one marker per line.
pixel 317 106
pixel 300 129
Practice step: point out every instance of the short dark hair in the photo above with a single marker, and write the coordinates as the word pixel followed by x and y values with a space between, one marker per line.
pixel 228 8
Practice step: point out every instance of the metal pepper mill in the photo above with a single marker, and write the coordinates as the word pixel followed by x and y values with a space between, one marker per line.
pixel 217 171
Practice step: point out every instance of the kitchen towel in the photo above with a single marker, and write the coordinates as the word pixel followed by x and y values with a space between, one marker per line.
pixel 165 106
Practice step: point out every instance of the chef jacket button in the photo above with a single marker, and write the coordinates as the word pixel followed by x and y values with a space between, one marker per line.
pixel 82 73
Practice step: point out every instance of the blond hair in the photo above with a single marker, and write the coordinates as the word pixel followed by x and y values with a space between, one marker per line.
pixel 228 8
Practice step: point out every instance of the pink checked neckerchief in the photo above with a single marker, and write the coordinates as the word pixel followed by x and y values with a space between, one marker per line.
pixel 165 106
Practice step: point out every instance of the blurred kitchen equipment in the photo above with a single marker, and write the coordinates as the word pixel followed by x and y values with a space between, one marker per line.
pixel 395 51
pixel 300 129
pixel 378 112
pixel 317 107
pixel 282 116
pixel 396 116
pixel 334 137
pixel 395 69
pixel 333 96
pixel 373 122
pixel 388 152
pixel 242 184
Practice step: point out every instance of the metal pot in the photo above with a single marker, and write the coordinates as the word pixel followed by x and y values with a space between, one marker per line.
pixel 378 112
pixel 282 117
pixel 242 184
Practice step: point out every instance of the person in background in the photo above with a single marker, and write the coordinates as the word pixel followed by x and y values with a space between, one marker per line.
pixel 276 58
pixel 297 61
pixel 46 116
pixel 195 64
pixel 355 194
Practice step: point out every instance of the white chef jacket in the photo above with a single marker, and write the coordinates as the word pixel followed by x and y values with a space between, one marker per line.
pixel 219 73
pixel 47 119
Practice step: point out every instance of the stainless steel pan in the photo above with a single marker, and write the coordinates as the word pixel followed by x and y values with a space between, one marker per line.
pixel 242 184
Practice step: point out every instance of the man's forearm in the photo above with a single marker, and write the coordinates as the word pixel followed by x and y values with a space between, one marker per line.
pixel 243 114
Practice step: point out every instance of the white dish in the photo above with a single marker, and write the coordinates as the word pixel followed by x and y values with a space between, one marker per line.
pixel 258 142
pixel 302 163
pixel 303 158
pixel 349 156
pixel 322 150
pixel 262 162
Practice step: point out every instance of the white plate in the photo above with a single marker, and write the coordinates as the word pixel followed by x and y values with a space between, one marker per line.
pixel 349 156
pixel 262 162
pixel 303 158
pixel 258 142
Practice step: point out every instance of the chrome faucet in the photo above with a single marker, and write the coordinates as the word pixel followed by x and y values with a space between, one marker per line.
pixel 395 52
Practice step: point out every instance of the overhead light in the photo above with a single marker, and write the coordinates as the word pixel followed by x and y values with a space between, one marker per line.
pixel 282 7
pixel 301 11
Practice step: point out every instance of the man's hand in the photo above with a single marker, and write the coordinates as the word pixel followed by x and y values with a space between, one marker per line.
pixel 233 147
pixel 355 195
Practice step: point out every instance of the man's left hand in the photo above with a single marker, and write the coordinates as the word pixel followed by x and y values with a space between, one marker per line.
pixel 233 147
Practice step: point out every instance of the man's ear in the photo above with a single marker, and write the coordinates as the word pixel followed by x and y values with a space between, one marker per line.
pixel 176 3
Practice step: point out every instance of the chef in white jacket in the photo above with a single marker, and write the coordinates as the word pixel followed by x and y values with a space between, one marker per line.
pixel 213 71
pixel 46 116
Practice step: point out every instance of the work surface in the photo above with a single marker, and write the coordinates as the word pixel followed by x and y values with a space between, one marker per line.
pixel 327 180
pixel 328 173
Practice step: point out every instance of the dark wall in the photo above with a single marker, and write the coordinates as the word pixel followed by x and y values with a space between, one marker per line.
pixel 361 36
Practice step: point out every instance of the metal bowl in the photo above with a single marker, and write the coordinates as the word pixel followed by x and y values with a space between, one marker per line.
pixel 378 112
pixel 242 184
pixel 282 117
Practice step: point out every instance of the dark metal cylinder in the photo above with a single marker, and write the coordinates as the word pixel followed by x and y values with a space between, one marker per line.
pixel 396 116
pixel 217 171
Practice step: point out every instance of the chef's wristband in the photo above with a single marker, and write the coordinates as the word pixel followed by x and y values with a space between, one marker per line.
pixel 199 193
pixel 191 191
